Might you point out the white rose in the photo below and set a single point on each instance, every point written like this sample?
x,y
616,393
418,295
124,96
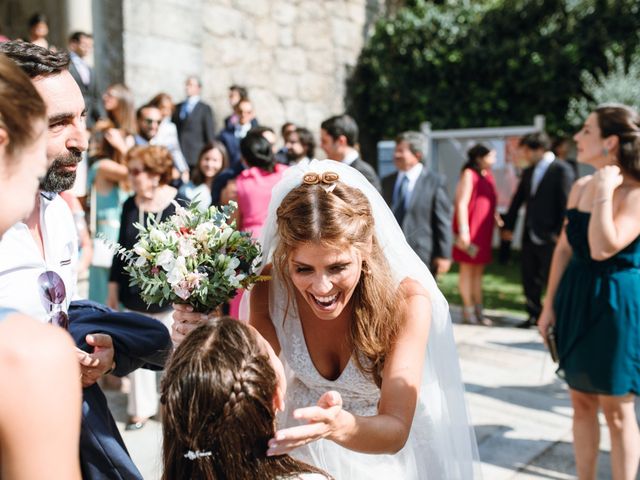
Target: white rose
x,y
140,261
177,274
186,248
203,231
157,235
139,250
226,233
166,260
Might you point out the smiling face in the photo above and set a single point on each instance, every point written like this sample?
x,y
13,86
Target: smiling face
x,y
210,163
67,133
325,277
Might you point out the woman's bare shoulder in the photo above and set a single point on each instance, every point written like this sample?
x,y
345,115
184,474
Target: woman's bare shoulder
x,y
577,190
410,287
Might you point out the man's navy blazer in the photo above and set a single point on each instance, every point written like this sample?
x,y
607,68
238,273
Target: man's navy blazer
x,y
139,342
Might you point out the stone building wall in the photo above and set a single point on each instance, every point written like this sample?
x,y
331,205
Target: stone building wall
x,y
293,55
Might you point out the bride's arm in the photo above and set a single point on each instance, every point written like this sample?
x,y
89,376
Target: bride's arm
x,y
259,317
386,432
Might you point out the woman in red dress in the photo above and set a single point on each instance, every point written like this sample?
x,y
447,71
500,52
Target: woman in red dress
x,y
473,223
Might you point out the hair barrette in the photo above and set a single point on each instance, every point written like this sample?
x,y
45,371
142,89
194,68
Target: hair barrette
x,y
191,455
327,179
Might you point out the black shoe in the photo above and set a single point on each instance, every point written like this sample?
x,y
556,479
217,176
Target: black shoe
x,y
528,323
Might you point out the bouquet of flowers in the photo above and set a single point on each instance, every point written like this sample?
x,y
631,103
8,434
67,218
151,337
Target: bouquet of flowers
x,y
194,257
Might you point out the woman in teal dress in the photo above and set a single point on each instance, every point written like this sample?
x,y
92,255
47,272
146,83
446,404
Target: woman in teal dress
x,y
593,295
111,140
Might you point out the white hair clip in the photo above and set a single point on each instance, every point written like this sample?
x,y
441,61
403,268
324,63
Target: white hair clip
x,y
191,455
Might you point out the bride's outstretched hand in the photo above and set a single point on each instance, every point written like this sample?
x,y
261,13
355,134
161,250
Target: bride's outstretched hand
x,y
323,420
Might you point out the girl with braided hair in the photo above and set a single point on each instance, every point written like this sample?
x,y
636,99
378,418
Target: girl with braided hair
x,y
220,393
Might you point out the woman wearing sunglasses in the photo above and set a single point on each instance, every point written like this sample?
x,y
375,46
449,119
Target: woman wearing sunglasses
x,y
39,372
150,171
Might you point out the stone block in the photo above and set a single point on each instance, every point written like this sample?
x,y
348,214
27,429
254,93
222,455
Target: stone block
x,y
291,60
310,10
285,35
283,12
312,87
178,22
268,107
294,111
345,33
135,16
266,32
322,61
221,21
357,12
315,35
256,8
284,84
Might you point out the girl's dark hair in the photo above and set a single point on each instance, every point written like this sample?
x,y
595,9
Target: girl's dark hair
x,y
257,152
474,155
623,122
217,395
196,176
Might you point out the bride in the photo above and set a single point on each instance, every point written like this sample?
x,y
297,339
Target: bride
x,y
363,331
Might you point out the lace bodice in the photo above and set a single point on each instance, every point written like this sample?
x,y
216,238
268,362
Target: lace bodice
x,y
359,394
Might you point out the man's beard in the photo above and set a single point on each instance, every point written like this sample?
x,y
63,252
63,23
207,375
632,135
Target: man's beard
x,y
58,178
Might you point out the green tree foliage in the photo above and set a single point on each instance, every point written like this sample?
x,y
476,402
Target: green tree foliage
x,y
620,85
484,63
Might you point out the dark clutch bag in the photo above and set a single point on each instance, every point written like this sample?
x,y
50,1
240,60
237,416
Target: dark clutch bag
x,y
551,343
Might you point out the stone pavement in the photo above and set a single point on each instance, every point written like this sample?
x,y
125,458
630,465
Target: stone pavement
x,y
520,409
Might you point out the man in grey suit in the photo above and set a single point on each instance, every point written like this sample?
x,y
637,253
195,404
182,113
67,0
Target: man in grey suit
x,y
80,46
338,138
419,200
195,122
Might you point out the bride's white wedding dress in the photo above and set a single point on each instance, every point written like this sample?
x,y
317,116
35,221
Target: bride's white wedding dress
x,y
441,444
359,394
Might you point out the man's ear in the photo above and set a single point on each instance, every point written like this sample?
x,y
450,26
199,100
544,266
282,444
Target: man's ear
x,y
342,140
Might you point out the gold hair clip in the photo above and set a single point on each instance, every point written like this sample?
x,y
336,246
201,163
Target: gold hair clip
x,y
311,178
327,179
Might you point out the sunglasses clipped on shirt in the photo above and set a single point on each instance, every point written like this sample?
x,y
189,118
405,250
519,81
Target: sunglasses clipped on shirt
x,y
54,294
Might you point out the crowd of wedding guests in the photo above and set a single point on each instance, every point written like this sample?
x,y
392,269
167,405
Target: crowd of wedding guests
x,y
142,162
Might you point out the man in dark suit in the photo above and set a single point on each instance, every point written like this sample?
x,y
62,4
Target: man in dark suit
x,y
231,135
80,46
544,189
338,139
194,121
419,200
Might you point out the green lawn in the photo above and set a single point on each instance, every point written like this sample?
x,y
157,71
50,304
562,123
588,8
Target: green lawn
x,y
501,285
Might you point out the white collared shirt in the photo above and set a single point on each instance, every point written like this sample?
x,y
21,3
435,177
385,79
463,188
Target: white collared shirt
x,y
351,156
21,262
81,66
540,169
412,175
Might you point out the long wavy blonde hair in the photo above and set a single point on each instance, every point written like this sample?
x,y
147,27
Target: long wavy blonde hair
x,y
342,218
